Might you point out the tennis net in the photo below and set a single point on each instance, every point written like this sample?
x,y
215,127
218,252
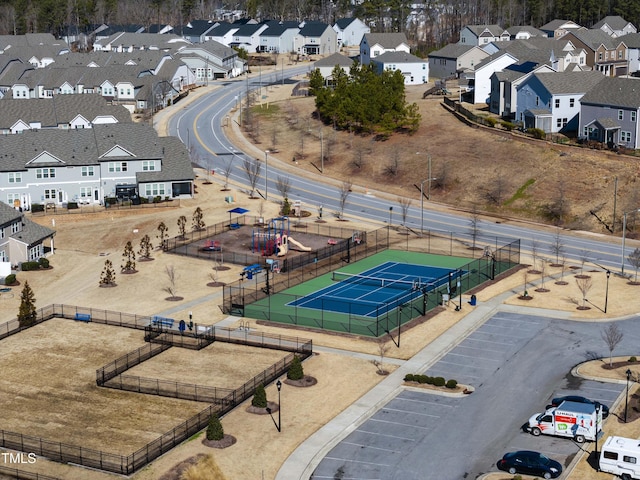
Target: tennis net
x,y
375,281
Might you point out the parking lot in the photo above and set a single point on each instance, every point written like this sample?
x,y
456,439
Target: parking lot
x,y
516,363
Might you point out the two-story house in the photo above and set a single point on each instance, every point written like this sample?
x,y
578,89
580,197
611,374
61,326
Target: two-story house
x,y
22,240
604,53
196,30
609,112
454,58
558,28
632,42
375,44
615,26
248,37
212,60
350,31
278,38
414,69
551,101
315,38
480,35
327,64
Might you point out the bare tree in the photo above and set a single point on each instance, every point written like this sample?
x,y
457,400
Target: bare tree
x,y
442,177
535,247
494,194
557,247
345,191
228,168
612,336
283,185
383,348
563,266
252,168
361,151
584,258
558,208
393,167
182,226
584,285
404,203
172,277
474,226
634,260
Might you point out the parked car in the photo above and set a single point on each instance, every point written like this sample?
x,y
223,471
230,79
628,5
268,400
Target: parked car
x,y
529,463
576,398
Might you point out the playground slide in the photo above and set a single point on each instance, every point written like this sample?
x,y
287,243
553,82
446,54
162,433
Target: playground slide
x,y
299,246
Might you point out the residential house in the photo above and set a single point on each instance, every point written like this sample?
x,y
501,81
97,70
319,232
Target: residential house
x,y
558,28
503,98
524,32
454,58
196,30
103,31
59,111
327,64
375,44
279,37
22,240
349,31
609,112
222,33
632,42
414,69
315,38
604,53
130,42
480,35
87,165
212,60
551,101
481,76
248,37
615,26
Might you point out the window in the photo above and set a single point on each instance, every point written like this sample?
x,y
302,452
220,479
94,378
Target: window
x,y
572,102
87,171
625,137
600,56
153,189
537,100
50,194
557,103
15,177
610,455
85,192
15,227
148,165
620,55
626,458
561,122
633,116
35,252
1,232
620,115
3,256
424,66
45,173
11,199
117,167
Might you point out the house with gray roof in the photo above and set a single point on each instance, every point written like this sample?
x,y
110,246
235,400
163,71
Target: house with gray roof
x,y
129,42
212,60
248,37
415,70
609,113
604,53
615,26
22,240
196,30
551,101
375,44
480,35
503,98
349,31
326,65
524,32
88,165
454,58
632,42
557,28
315,38
59,111
222,33
278,37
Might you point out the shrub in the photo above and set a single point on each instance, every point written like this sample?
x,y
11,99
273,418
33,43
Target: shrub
x,y
491,121
44,262
409,377
295,371
451,383
537,133
214,429
286,207
422,378
430,381
110,200
37,207
260,397
157,199
439,381
72,205
507,125
26,266
144,200
10,279
631,359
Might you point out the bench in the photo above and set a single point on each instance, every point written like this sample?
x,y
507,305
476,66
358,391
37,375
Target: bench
x,y
158,321
83,317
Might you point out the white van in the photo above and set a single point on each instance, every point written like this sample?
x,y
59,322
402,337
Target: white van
x,y
621,456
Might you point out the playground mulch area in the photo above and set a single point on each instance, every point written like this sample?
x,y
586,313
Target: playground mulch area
x,y
48,389
221,365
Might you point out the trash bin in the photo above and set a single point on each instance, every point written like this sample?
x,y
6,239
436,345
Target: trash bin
x,y
472,302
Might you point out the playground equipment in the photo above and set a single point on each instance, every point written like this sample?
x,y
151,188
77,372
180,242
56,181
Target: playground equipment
x,y
298,245
211,246
272,240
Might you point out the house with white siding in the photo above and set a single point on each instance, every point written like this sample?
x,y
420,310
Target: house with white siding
x,y
350,31
375,44
480,35
414,69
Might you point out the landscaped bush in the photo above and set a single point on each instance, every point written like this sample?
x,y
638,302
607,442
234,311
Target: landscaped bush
x,y
260,397
10,279
537,133
72,205
631,359
26,266
43,262
110,200
286,207
430,381
439,381
37,207
214,429
507,125
295,371
409,377
491,121
451,383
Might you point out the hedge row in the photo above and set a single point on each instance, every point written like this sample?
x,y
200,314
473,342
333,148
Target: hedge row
x,y
436,381
42,263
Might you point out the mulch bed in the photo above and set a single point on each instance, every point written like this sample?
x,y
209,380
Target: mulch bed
x,y
542,290
226,441
582,275
174,299
146,259
263,411
525,297
176,472
108,285
128,272
583,308
562,282
216,284
306,381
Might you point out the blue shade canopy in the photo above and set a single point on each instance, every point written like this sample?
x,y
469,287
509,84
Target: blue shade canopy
x,y
238,210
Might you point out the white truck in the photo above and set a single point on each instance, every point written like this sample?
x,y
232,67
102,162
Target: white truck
x,y
621,456
579,421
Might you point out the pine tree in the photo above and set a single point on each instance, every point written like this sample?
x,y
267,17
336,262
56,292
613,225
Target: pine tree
x,y
108,277
130,256
295,371
260,397
27,314
215,430
145,247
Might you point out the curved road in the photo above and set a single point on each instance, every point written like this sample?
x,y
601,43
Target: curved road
x,y
200,126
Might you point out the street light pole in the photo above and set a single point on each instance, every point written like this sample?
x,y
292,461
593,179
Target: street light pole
x,y
389,226
321,150
624,235
269,411
615,201
626,397
422,207
266,173
606,294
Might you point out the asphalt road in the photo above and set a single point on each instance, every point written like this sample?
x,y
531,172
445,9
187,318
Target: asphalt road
x,y
516,363
200,126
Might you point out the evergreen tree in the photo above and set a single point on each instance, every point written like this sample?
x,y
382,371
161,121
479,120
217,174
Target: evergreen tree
x,y
130,256
162,233
295,371
27,314
145,247
182,226
215,430
260,397
197,223
108,276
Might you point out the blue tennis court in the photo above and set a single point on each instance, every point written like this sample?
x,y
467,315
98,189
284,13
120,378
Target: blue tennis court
x,y
385,286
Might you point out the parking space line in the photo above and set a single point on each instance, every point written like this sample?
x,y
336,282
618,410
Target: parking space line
x,y
472,339
398,423
476,357
410,412
423,402
362,445
386,435
350,460
464,365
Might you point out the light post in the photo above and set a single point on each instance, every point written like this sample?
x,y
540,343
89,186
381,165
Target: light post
x,y
606,293
389,225
266,173
321,150
624,234
279,424
615,201
626,397
428,179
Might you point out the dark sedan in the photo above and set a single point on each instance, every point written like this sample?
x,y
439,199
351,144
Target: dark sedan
x,y
530,463
576,398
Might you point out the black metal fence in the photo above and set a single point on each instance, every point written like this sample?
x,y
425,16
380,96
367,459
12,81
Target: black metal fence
x,y
222,400
14,473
